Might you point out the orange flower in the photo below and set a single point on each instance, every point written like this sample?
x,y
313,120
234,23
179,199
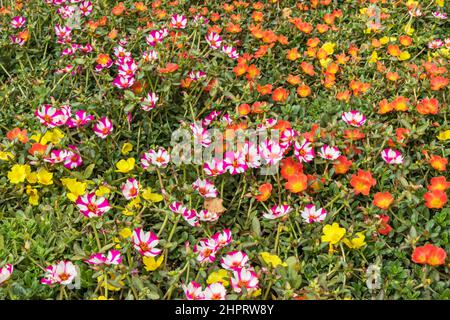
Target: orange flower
x,y
307,68
303,91
394,50
16,133
252,72
313,42
294,80
259,107
240,69
383,200
384,228
265,191
280,94
353,134
243,109
290,167
118,9
344,95
263,90
400,104
401,133
103,59
297,183
438,163
429,254
438,183
438,83
293,54
362,182
405,41
392,76
428,106
435,199
37,148
342,165
170,67
384,107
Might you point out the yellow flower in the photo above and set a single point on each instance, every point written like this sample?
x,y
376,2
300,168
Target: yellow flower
x,y
409,29
149,196
272,259
44,177
18,173
356,242
444,135
384,40
256,293
54,136
404,55
102,298
102,191
127,212
6,156
32,177
112,277
218,276
126,148
332,233
374,57
325,62
75,187
151,264
329,47
33,196
125,233
440,3
125,166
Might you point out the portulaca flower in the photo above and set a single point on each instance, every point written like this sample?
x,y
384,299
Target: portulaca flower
x,y
311,214
391,156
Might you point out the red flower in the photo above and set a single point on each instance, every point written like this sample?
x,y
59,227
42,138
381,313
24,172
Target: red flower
x,y
435,199
428,106
290,167
384,228
342,165
438,183
21,135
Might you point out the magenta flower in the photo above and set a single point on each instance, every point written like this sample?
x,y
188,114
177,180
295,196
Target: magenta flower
x,y
310,214
51,116
103,127
178,21
277,212
391,156
214,40
18,22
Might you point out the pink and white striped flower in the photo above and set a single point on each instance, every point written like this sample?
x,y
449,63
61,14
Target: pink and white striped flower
x,y
329,152
252,155
207,216
57,156
112,258
150,56
63,272
304,151
215,291
63,33
145,243
5,273
193,291
287,137
214,167
73,159
121,54
310,214
149,102
189,215
354,118
214,40
66,12
154,37
127,68
130,188
81,118
222,238
196,75
439,15
206,250
230,51
277,211
392,156
17,40
123,82
244,278
92,206
201,135
234,260
235,162
86,8
103,127
436,44
271,152
51,116
213,115
18,22
159,158
205,188
178,21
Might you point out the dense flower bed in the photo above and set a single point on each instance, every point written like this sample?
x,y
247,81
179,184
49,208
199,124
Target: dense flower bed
x,y
224,149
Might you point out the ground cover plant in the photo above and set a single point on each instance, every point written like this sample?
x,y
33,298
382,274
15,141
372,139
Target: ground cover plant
x,y
328,122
